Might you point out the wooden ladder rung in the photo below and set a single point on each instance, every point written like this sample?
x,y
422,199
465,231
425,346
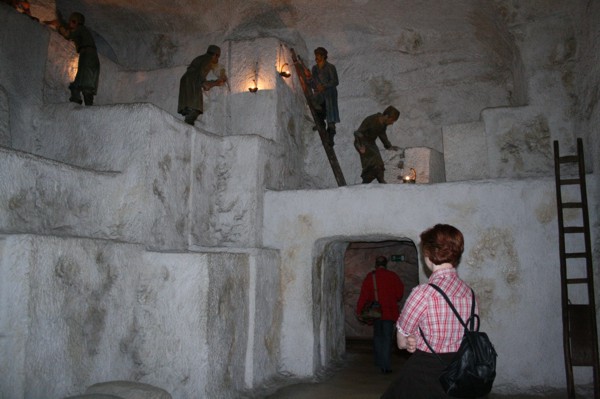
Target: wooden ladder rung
x,y
580,336
569,159
574,255
566,182
574,230
582,280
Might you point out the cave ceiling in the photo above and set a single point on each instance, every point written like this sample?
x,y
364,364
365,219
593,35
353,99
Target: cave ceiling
x,y
159,33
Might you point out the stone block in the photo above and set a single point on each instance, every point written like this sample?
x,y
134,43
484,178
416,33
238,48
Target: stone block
x,y
4,119
227,198
465,151
136,319
427,163
519,142
128,390
252,65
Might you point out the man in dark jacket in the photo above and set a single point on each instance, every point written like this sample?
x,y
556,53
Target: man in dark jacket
x,y
88,66
372,128
386,286
193,82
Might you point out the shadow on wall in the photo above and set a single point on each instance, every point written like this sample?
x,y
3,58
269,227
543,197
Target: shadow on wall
x,y
359,259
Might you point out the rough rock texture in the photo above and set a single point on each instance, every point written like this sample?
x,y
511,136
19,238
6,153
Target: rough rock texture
x,y
128,390
4,120
485,54
498,219
359,260
194,324
247,284
465,152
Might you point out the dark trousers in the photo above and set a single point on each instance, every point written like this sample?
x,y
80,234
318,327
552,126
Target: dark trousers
x,y
383,331
419,377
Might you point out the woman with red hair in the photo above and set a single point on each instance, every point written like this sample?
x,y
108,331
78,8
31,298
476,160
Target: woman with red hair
x,y
426,315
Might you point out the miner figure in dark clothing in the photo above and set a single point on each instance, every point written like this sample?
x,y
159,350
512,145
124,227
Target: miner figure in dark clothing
x,y
365,137
194,81
88,67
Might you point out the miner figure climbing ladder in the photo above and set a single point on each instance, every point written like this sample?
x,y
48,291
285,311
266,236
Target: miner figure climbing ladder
x,y
335,166
580,337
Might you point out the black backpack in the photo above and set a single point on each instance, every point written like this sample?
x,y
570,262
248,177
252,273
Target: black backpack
x,y
472,371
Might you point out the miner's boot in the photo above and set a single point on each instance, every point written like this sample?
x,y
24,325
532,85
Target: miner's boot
x,y
191,116
75,94
379,176
88,98
331,132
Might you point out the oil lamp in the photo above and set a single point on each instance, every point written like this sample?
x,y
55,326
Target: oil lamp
x,y
410,178
284,72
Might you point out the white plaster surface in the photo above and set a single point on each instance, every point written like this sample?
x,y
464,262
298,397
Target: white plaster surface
x,y
107,311
4,119
465,152
511,239
25,92
85,192
428,165
128,390
519,142
130,158
54,198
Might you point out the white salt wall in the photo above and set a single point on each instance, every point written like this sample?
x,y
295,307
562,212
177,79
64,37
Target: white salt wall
x,y
119,142
142,177
588,89
438,73
22,62
83,311
510,259
86,192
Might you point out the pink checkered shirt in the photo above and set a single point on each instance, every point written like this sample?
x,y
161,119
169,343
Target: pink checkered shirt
x,y
426,308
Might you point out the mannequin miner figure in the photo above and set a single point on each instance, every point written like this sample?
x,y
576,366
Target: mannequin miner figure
x,y
194,81
88,66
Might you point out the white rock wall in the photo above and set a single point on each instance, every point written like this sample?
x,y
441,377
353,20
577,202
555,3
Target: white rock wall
x,y
588,90
147,161
4,119
150,163
275,112
141,193
465,151
23,51
519,142
228,176
84,311
511,241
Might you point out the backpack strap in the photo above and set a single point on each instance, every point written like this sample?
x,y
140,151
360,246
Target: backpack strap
x,y
429,346
375,286
471,319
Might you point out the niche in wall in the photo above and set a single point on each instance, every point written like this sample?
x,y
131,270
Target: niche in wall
x,y
359,259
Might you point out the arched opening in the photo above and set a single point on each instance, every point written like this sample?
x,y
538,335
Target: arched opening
x,y
359,260
339,269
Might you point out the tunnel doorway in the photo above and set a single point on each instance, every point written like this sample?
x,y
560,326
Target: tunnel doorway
x,y
359,260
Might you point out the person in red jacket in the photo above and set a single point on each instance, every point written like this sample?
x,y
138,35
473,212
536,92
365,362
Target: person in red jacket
x,y
389,292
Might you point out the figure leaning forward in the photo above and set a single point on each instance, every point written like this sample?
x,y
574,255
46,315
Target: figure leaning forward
x,y
88,66
371,129
194,81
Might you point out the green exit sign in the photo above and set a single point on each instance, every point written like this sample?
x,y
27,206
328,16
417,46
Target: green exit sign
x,y
397,258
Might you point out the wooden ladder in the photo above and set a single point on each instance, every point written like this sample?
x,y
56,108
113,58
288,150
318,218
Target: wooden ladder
x,y
580,337
335,166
